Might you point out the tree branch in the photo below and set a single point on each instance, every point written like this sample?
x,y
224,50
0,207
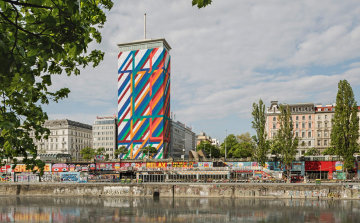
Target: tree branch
x,y
24,30
27,4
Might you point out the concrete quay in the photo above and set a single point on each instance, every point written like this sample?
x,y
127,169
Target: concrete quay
x,y
305,191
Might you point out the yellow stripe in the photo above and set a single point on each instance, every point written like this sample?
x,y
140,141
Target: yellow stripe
x,y
142,98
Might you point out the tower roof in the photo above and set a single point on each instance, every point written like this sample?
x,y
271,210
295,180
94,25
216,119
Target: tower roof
x,y
144,44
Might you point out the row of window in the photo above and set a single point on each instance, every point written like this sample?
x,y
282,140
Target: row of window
x,y
303,125
303,117
103,127
325,142
103,133
303,134
104,144
104,138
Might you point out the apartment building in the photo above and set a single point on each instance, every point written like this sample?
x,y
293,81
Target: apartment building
x,y
66,136
323,125
303,117
104,134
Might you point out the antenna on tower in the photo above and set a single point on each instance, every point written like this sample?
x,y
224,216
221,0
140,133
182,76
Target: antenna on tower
x,y
145,26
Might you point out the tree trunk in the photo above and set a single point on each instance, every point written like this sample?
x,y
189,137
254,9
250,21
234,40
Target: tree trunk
x,y
288,175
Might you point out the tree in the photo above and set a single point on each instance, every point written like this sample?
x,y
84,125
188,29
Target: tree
x,y
345,129
201,3
231,142
262,144
243,150
100,151
120,150
209,149
286,142
149,150
87,153
312,152
39,39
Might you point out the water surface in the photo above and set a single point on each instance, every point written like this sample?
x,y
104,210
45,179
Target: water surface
x,y
93,209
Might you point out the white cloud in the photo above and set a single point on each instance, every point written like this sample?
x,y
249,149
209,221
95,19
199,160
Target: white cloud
x,y
230,54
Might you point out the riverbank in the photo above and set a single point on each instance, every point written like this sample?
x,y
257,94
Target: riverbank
x,y
331,191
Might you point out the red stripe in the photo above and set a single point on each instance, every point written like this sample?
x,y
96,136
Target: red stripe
x,y
123,117
141,91
119,55
120,76
124,94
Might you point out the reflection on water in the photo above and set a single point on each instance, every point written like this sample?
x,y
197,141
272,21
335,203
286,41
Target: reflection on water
x,y
70,209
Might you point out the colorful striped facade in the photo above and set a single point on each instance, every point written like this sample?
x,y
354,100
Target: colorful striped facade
x,y
144,97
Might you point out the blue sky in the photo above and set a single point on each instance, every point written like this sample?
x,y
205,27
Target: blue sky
x,y
225,57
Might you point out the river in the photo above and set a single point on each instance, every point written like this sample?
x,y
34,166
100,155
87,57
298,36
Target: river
x,y
129,209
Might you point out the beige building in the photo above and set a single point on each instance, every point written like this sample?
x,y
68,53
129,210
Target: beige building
x,y
105,134
303,117
66,136
203,137
323,125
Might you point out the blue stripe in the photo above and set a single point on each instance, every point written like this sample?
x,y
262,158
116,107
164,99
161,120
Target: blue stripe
x,y
126,104
122,87
142,105
121,134
127,58
158,106
137,135
142,82
157,130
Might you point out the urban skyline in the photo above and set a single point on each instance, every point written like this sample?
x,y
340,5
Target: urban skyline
x,y
282,65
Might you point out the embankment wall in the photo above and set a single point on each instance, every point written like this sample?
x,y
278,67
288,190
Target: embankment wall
x,y
184,190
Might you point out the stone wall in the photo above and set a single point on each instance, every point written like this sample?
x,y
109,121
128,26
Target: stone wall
x,y
184,190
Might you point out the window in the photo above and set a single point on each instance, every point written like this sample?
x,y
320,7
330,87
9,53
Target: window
x,y
111,138
297,117
291,118
319,117
332,116
303,125
319,134
99,138
273,134
107,143
326,134
303,118
319,125
309,143
325,124
111,144
51,140
103,127
63,132
107,138
274,125
309,134
325,116
319,142
111,127
296,134
103,144
297,125
309,124
94,144
309,117
103,138
274,119
325,142
303,134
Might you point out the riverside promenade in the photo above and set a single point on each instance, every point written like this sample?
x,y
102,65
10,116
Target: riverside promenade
x,y
238,190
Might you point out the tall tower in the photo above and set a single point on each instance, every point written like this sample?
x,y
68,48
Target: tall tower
x,y
144,97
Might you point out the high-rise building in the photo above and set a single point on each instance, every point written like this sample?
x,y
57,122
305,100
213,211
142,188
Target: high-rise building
x,y
66,136
182,140
144,97
104,134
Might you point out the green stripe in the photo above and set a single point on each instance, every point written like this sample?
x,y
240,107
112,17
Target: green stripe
x,y
160,155
160,131
144,130
126,120
125,133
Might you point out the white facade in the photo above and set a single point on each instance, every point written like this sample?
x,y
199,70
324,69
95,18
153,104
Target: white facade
x,y
66,136
215,142
104,135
